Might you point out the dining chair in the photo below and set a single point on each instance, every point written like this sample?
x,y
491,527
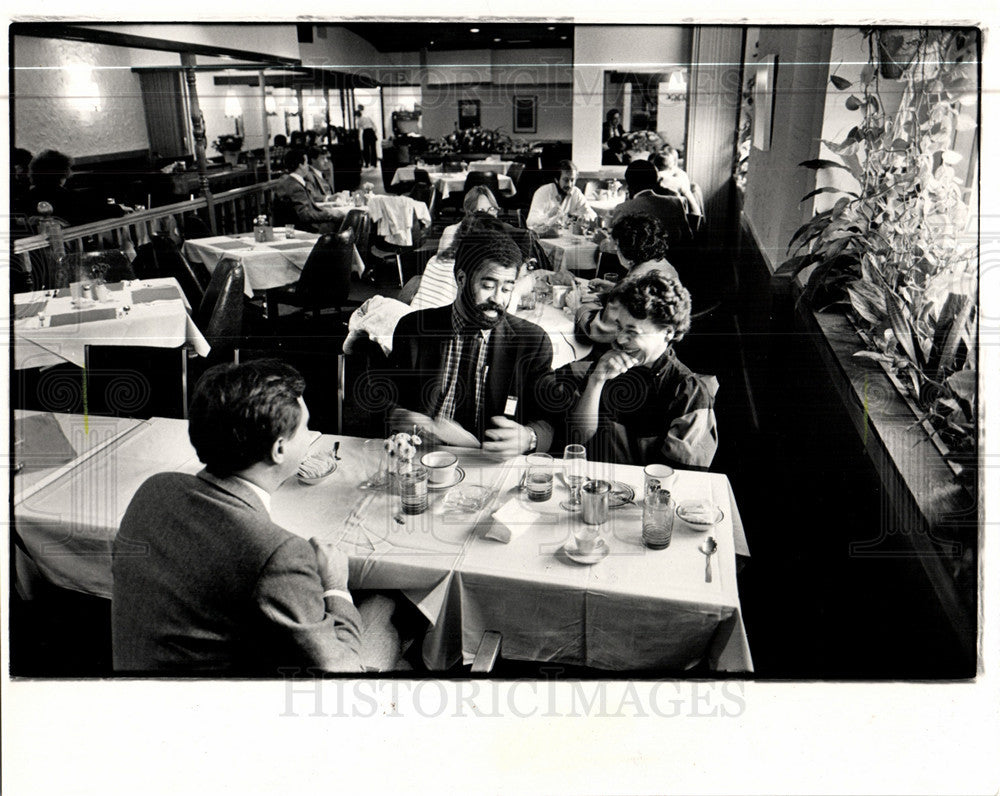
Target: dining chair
x,y
220,314
359,222
391,207
325,281
160,257
111,265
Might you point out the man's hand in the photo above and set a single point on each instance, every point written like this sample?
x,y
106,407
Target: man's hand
x,y
332,564
442,432
600,286
507,439
613,364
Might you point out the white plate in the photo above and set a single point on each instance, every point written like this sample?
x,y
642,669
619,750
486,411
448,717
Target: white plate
x,y
459,477
599,553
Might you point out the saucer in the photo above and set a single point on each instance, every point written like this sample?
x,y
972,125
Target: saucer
x,y
459,477
621,495
599,553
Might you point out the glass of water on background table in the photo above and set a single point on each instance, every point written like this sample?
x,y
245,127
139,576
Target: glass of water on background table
x,y
575,460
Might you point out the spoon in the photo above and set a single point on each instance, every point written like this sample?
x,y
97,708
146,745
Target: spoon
x,y
708,547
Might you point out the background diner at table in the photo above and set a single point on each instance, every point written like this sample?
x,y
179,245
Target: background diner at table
x,y
578,273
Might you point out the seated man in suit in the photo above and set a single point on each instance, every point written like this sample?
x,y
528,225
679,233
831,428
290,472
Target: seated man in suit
x,y
294,204
679,219
637,403
205,582
319,165
469,373
558,202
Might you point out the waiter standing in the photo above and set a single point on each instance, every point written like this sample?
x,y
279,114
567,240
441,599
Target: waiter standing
x,y
368,136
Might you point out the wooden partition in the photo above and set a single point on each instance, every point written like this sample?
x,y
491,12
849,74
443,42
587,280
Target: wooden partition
x,y
226,213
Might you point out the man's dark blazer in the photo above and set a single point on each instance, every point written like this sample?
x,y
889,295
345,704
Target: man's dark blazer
x,y
205,582
519,360
295,205
672,211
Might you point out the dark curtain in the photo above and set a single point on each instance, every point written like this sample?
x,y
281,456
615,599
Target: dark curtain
x,y
163,99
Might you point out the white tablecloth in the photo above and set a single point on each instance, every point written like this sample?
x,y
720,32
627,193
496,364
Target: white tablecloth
x,y
162,323
454,181
636,609
604,207
571,252
266,265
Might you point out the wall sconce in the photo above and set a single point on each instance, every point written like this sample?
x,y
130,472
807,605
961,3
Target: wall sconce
x,y
233,109
83,94
270,105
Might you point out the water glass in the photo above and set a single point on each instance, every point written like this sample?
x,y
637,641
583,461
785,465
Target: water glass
x,y
289,230
538,478
375,461
413,489
575,459
657,519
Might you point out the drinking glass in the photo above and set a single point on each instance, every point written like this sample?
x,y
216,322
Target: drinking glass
x,y
413,489
376,465
575,457
538,478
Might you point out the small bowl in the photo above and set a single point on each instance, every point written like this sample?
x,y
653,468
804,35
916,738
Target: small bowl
x,y
700,514
311,480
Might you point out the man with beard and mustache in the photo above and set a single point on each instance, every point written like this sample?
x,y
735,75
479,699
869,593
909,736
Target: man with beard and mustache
x,y
558,201
469,373
637,403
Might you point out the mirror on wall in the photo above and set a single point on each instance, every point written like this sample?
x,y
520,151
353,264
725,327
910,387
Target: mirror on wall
x,y
654,101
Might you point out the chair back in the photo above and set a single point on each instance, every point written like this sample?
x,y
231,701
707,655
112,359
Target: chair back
x,y
389,164
111,265
487,178
195,227
326,276
360,224
514,171
283,211
161,258
220,314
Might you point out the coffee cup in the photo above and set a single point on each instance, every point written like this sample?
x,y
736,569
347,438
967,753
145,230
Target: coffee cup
x,y
586,538
440,466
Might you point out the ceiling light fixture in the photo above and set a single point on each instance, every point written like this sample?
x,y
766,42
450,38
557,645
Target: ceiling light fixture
x,y
473,30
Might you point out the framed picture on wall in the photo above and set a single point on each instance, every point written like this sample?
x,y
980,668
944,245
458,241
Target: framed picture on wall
x,y
525,114
468,114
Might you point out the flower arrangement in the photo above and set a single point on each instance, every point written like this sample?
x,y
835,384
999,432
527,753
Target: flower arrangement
x,y
228,143
643,141
473,139
401,448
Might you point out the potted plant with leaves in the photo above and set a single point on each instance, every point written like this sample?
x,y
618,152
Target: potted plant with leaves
x,y
893,249
229,146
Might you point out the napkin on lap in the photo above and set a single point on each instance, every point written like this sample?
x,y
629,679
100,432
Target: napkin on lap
x,y
512,519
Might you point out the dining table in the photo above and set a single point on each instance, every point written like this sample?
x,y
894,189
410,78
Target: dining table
x,y
266,264
571,252
637,609
60,325
604,206
448,181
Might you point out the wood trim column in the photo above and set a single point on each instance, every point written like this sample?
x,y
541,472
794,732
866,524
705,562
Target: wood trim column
x,y
713,117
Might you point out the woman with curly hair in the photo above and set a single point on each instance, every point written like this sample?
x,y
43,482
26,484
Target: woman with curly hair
x,y
637,403
641,245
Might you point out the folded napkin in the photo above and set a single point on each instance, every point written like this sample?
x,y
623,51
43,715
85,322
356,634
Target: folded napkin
x,y
145,295
45,445
512,519
22,311
83,316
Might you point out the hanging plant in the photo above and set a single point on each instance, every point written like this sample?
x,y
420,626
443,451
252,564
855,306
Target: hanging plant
x,y
891,252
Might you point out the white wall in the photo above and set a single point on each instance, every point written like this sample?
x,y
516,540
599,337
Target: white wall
x,y
279,40
598,48
48,104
